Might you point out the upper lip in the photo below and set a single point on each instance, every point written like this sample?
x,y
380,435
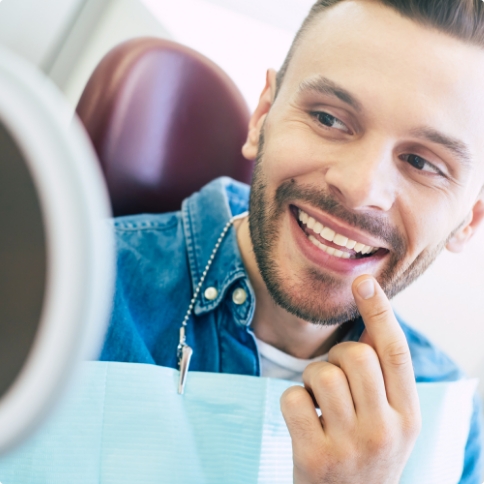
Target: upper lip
x,y
340,227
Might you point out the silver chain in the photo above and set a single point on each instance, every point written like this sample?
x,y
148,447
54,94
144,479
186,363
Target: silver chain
x,y
182,342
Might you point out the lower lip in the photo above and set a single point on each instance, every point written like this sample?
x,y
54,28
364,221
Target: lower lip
x,y
335,264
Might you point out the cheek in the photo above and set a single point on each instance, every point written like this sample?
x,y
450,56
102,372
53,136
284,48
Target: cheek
x,y
295,153
426,224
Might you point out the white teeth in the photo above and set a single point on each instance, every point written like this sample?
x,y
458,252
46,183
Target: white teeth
x,y
340,240
358,247
303,217
331,236
328,234
317,228
314,240
350,244
330,250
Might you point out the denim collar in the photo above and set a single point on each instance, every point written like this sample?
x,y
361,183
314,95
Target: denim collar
x,y
205,215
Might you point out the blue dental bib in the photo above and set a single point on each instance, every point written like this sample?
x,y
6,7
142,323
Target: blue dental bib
x,y
125,423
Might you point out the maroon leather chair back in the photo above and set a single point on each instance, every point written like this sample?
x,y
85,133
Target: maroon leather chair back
x,y
164,121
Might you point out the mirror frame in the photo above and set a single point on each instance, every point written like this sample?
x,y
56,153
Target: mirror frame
x,y
80,244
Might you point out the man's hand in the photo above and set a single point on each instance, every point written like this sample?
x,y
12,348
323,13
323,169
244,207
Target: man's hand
x,y
370,413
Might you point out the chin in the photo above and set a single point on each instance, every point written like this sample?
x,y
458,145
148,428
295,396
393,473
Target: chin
x,y
315,298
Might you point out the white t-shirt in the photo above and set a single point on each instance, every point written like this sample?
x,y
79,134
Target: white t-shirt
x,y
277,364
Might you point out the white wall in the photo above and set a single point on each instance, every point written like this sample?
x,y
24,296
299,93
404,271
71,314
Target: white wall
x,y
245,37
447,304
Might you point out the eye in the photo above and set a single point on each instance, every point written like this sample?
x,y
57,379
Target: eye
x,y
330,121
421,164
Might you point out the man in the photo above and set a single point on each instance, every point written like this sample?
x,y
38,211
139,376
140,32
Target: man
x,y
370,160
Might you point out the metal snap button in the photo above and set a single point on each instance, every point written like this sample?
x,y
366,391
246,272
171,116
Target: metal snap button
x,y
211,293
239,296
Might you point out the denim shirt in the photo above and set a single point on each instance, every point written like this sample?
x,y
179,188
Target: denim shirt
x,y
160,260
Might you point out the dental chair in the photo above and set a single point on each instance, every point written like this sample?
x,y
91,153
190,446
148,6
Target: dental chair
x,y
164,121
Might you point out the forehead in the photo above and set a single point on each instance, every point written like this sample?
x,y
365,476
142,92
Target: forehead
x,y
398,69
389,43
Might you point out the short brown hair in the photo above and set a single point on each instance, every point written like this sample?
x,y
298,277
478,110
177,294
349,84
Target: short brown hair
x,y
462,19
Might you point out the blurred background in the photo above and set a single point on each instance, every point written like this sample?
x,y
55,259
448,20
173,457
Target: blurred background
x,y
67,38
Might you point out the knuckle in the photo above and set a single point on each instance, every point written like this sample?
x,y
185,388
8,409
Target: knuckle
x,y
339,349
311,370
397,355
292,399
381,441
378,313
361,354
328,377
313,367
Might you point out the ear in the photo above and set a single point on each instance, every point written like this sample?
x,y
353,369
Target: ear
x,y
459,240
251,146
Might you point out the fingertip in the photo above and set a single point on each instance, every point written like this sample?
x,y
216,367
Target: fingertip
x,y
365,288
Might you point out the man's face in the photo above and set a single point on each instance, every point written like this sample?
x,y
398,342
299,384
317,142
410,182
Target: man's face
x,y
370,159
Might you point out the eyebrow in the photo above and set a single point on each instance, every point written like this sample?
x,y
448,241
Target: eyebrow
x,y
457,147
327,87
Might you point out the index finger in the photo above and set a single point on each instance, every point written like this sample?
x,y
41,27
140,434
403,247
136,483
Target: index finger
x,y
388,339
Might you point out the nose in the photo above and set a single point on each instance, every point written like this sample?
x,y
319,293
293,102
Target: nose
x,y
364,176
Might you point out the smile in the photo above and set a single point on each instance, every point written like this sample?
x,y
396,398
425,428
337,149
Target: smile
x,y
331,242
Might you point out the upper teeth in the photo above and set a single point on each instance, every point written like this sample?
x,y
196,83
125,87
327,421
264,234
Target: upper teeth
x,y
330,235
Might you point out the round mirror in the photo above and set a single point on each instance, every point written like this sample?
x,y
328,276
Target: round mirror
x,y
23,261
56,248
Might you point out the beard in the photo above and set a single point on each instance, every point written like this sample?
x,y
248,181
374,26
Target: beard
x,y
309,293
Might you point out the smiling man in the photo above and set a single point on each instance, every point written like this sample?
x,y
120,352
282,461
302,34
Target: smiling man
x,y
369,162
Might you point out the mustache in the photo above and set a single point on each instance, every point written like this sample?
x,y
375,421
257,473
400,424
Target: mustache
x,y
378,226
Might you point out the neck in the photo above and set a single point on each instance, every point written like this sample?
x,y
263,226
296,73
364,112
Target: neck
x,y
273,324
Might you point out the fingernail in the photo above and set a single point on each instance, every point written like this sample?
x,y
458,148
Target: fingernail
x,y
366,289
